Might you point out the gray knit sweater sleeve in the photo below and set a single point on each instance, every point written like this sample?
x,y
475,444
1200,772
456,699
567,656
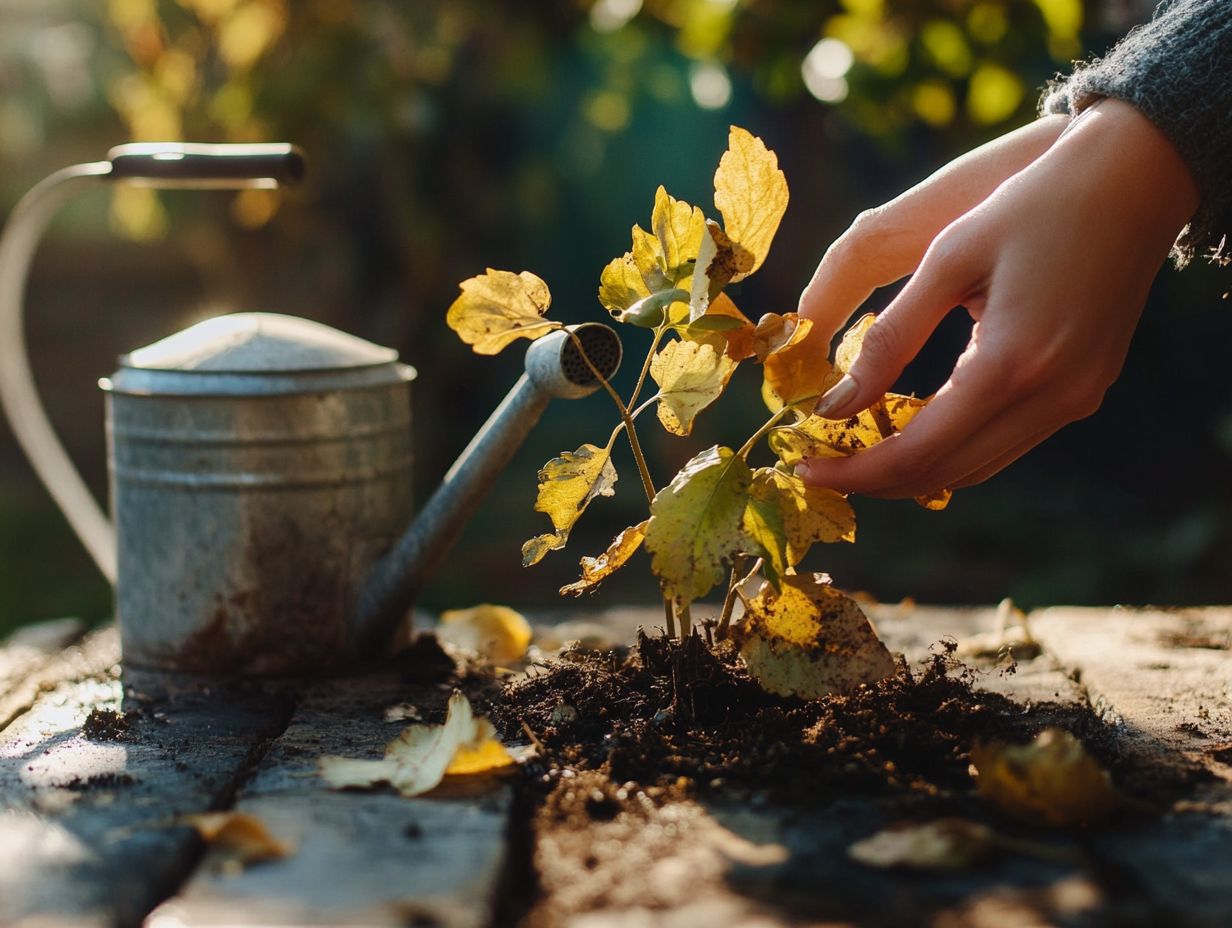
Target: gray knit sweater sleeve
x,y
1177,70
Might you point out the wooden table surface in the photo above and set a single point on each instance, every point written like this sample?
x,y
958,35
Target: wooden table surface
x,y
91,832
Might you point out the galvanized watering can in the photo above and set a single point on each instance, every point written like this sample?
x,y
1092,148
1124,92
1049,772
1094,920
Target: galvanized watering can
x,y
261,464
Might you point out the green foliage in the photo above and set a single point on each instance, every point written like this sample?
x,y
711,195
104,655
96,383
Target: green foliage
x,y
719,514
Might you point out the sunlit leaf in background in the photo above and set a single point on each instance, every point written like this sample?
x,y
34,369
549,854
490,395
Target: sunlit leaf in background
x,y
993,94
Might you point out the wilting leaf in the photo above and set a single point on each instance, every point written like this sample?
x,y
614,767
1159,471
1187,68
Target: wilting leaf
x,y
498,307
942,844
697,524
597,569
419,758
751,193
802,515
775,332
569,482
536,549
240,837
719,261
690,376
498,633
1051,781
621,285
810,640
724,327
816,437
853,339
679,228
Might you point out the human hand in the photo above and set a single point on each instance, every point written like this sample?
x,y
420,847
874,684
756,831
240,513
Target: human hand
x,y
1051,244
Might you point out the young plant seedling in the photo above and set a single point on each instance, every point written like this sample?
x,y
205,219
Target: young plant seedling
x,y
721,521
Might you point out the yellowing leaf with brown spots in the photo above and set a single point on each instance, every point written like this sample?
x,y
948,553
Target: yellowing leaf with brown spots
x,y
1051,781
420,758
597,569
697,524
679,228
719,261
498,307
499,633
786,517
567,484
751,193
690,376
810,640
816,437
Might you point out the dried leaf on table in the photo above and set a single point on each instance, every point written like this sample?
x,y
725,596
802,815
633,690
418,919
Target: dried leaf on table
x,y
238,837
496,632
1050,781
423,755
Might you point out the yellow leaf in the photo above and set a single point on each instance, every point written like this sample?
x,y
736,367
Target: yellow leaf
x,y
775,332
690,376
751,193
942,844
536,549
568,483
794,371
853,340
648,258
239,836
719,262
419,758
498,307
697,524
1051,781
810,640
815,437
679,228
621,285
807,514
597,569
498,633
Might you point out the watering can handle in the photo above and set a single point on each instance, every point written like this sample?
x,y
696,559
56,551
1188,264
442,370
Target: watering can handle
x,y
152,164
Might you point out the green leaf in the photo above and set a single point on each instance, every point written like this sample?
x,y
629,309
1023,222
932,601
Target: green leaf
x,y
810,640
567,484
690,376
786,517
649,312
499,307
751,193
597,569
697,524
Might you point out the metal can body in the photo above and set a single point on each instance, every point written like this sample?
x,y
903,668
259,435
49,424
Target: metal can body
x,y
246,523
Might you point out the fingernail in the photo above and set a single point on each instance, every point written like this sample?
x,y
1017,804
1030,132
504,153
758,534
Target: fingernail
x,y
837,396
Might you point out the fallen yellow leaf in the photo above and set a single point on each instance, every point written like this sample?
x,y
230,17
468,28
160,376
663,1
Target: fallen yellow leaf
x,y
943,844
241,837
498,633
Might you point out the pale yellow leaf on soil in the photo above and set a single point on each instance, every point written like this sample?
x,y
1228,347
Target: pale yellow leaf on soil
x,y
1050,781
697,524
942,844
499,307
420,758
810,640
597,569
499,633
690,376
751,194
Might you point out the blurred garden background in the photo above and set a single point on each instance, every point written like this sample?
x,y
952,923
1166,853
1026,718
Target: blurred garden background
x,y
446,136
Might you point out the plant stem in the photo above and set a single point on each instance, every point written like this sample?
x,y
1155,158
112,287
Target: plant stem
x,y
760,433
734,587
630,428
669,613
641,378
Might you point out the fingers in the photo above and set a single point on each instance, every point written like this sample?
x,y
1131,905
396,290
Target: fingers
x,y
886,244
951,270
973,429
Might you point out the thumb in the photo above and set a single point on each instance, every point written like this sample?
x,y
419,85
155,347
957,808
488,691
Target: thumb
x,y
901,330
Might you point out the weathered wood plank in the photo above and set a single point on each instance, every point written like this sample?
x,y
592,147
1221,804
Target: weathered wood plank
x,y
361,858
89,834
1164,679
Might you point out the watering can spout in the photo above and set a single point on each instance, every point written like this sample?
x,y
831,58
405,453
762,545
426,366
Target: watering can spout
x,y
568,364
